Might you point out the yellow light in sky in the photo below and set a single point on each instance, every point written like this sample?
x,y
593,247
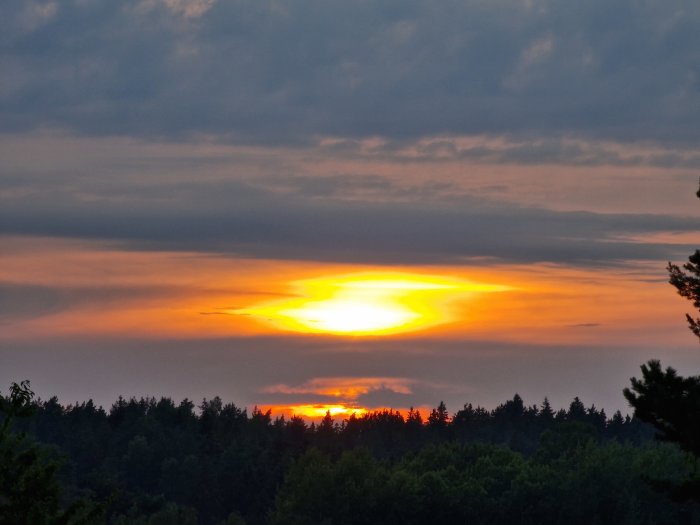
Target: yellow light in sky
x,y
318,411
368,303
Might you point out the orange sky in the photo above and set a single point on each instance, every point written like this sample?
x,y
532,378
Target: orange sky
x,y
104,292
197,295
181,207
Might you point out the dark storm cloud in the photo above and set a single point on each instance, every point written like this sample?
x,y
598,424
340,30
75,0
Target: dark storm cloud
x,y
265,71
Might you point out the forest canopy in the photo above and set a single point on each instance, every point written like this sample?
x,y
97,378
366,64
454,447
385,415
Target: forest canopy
x,y
157,461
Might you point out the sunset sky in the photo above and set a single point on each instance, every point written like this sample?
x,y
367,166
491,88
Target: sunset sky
x,y
350,205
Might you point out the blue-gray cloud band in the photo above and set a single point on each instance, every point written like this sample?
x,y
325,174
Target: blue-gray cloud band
x,y
264,71
237,218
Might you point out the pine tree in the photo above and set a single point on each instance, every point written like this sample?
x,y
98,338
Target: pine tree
x,y
546,411
669,402
687,282
688,285
438,416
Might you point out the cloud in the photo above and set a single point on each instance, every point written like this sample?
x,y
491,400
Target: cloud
x,y
531,151
312,204
190,8
266,72
387,398
365,392
236,217
30,301
27,301
344,387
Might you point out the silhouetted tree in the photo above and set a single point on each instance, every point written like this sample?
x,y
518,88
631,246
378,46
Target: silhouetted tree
x,y
159,462
687,282
439,416
546,412
326,432
669,402
29,488
577,411
414,419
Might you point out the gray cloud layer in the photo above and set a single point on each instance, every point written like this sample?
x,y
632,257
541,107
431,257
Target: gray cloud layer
x,y
268,71
237,217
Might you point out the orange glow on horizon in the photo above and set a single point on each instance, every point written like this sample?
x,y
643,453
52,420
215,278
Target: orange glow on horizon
x,y
379,303
316,412
110,293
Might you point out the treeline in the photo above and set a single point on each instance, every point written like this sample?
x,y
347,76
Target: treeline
x,y
154,461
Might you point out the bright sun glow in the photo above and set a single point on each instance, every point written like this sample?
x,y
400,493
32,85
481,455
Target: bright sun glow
x,y
318,411
368,303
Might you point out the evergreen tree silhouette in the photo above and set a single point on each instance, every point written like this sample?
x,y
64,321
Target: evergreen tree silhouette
x,y
686,280
669,402
438,417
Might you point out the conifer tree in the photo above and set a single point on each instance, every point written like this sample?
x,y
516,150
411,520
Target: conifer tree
x,y
669,402
439,416
546,411
687,281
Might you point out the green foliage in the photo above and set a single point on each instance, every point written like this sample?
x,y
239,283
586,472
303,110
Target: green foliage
x,y
483,484
687,282
157,461
29,488
669,402
17,404
158,512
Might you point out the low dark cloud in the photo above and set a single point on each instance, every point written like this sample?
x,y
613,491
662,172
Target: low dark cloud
x,y
265,71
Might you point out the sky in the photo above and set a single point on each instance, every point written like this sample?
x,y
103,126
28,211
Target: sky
x,y
357,205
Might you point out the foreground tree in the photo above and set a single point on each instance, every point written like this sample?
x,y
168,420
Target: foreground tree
x,y
687,282
669,402
29,489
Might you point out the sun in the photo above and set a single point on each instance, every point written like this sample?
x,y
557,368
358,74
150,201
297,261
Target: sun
x,y
367,303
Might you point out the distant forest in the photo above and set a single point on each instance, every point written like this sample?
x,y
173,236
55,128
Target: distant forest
x,y
148,461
